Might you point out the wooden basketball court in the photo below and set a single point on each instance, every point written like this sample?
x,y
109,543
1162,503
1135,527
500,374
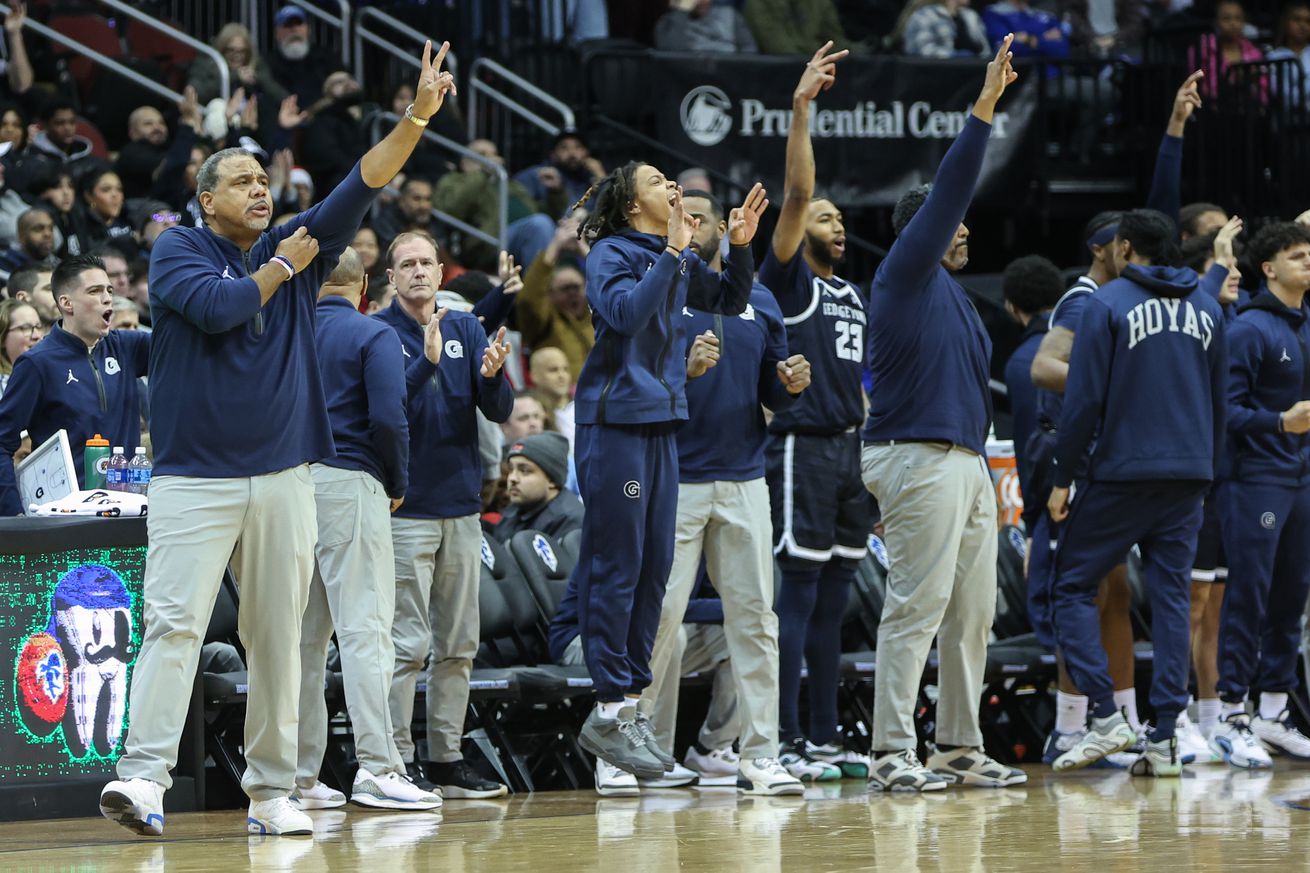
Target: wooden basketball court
x,y
1213,819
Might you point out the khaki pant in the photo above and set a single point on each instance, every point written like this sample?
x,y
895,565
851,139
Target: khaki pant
x,y
939,511
730,523
437,573
353,591
266,526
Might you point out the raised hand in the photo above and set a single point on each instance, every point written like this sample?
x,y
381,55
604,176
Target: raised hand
x,y
234,103
250,114
432,336
279,171
300,248
1186,102
794,374
704,354
16,16
1223,242
744,221
188,110
290,115
509,274
820,72
1000,75
682,227
494,357
433,83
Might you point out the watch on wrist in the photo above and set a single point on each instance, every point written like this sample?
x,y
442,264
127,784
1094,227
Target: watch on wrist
x,y
414,119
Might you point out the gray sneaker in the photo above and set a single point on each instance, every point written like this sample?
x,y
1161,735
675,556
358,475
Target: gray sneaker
x,y
620,742
652,744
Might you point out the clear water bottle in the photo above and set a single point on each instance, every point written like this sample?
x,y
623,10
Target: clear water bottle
x,y
116,472
138,472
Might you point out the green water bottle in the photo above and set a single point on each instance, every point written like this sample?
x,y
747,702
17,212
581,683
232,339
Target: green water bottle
x,y
95,463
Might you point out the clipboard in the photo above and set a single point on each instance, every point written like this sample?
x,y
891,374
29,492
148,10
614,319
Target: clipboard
x,y
48,473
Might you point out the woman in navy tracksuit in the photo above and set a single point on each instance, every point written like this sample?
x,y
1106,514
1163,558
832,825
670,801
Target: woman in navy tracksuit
x,y
629,401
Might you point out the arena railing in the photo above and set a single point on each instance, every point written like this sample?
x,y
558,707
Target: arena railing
x,y
410,53
374,124
224,81
492,110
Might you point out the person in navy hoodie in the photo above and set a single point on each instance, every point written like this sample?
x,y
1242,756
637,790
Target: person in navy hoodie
x,y
628,405
436,532
1265,503
354,586
923,458
82,377
238,415
1145,406
735,367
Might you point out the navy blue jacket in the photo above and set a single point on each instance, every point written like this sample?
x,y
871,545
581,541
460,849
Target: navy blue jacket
x,y
1023,396
636,372
723,439
1268,372
235,388
928,349
59,383
1149,369
445,467
363,370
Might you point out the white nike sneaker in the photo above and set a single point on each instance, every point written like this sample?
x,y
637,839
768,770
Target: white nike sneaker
x,y
678,777
391,790
1105,737
1281,736
1233,740
974,767
767,776
136,804
317,796
715,764
1159,759
852,764
901,771
278,817
799,763
1192,743
613,782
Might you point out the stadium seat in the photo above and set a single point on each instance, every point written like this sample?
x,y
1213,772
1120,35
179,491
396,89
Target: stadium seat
x,y
93,31
173,56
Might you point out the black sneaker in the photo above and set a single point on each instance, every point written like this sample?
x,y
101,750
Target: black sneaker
x,y
458,780
414,771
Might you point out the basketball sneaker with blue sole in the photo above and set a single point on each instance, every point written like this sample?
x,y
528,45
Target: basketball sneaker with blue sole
x,y
136,804
1057,744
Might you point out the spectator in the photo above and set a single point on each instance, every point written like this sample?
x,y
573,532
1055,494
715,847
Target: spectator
x,y
126,315
548,369
703,26
412,210
552,308
18,67
1292,40
369,248
471,195
246,69
947,29
98,218
150,219
1198,219
1037,33
297,64
566,174
34,246
794,27
527,418
13,130
380,295
1226,46
32,285
695,179
20,330
58,140
336,132
116,268
538,469
53,189
429,160
1104,28
142,156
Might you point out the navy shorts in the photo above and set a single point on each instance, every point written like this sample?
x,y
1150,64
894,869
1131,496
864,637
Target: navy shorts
x,y
821,509
1211,564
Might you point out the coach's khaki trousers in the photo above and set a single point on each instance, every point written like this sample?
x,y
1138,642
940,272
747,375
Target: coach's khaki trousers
x,y
266,526
437,573
730,523
939,512
353,591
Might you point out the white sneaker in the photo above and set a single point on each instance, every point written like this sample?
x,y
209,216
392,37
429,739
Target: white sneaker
x,y
136,804
1106,736
1233,740
901,771
767,776
678,777
391,790
974,767
853,765
1281,736
317,796
799,763
1159,759
278,817
1192,743
715,764
613,782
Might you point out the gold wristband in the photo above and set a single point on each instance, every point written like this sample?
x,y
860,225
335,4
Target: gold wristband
x,y
414,119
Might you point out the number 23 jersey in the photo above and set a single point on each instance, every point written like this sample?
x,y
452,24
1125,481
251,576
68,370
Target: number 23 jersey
x,y
826,321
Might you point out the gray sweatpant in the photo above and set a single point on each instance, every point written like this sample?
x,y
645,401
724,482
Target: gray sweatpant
x,y
353,591
939,512
266,526
437,573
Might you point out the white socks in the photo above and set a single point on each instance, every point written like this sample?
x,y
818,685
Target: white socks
x,y
1272,704
1126,700
1207,714
1226,709
610,711
1070,713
